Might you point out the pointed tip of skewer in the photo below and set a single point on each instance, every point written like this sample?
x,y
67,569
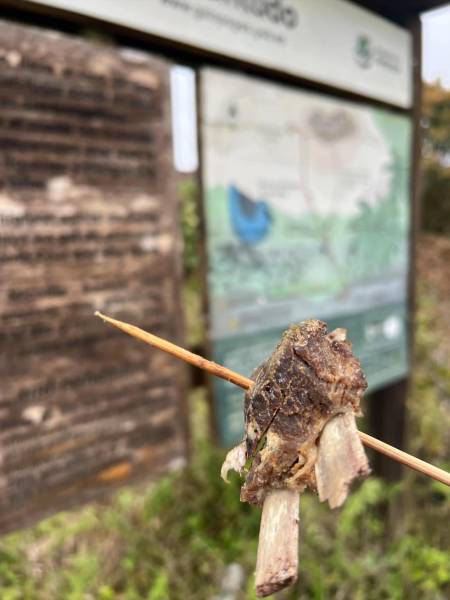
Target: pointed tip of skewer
x,y
120,324
105,318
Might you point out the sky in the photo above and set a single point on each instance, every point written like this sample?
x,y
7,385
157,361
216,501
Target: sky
x,y
436,45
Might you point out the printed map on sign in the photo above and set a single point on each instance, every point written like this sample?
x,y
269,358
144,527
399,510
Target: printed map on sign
x,y
307,215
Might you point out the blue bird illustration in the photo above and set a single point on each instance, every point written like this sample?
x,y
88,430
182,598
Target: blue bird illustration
x,y
250,219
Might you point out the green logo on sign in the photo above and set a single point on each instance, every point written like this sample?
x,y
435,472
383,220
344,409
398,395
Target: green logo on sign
x,y
363,51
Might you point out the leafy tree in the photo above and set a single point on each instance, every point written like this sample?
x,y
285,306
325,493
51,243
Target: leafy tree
x,y
436,158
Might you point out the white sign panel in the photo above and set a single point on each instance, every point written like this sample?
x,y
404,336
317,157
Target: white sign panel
x,y
329,41
184,119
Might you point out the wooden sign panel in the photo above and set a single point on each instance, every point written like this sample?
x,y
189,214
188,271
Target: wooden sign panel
x,y
87,221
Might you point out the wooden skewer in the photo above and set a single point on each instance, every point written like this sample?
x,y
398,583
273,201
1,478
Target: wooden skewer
x,y
244,382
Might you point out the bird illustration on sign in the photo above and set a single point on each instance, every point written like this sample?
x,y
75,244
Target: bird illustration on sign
x,y
250,219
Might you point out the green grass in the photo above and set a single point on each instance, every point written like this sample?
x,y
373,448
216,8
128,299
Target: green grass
x,y
173,539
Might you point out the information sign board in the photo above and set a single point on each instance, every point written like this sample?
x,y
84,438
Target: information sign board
x,y
306,202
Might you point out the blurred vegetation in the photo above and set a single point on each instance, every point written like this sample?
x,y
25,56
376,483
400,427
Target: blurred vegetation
x,y
188,194
173,539
436,158
429,403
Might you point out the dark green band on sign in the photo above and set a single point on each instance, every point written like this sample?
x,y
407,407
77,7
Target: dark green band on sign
x,y
379,341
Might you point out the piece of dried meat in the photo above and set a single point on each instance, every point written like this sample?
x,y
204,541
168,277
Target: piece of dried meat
x,y
311,377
